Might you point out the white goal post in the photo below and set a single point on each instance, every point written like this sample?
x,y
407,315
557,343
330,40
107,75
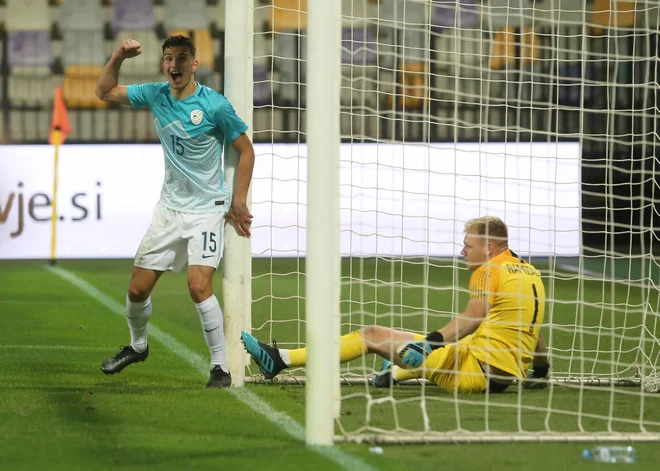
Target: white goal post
x,y
545,114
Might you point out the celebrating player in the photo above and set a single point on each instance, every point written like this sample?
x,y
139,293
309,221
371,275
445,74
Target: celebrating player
x,y
193,122
492,343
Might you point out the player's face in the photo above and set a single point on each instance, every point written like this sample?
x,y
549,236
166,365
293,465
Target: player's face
x,y
475,250
179,66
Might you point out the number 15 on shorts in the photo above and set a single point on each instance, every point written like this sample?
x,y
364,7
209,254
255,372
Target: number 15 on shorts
x,y
205,243
209,244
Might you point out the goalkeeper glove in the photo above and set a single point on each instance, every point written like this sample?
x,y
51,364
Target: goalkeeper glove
x,y
538,378
413,354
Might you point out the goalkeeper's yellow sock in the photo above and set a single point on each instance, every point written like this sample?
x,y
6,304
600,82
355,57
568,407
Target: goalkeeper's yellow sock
x,y
401,374
352,346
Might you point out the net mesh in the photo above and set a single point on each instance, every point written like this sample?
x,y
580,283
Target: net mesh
x,y
541,113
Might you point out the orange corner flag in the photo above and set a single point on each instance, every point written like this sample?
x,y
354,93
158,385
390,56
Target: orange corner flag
x,y
60,118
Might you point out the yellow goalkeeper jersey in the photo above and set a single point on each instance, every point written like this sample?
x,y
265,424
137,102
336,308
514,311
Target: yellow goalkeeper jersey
x,y
507,337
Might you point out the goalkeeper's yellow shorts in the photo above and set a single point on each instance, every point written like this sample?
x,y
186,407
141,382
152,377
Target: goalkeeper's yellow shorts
x,y
455,369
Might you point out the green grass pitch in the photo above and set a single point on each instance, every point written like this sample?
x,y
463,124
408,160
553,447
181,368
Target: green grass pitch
x,y
58,411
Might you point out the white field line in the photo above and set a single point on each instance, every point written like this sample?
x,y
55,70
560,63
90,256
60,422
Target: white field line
x,y
247,397
595,276
52,347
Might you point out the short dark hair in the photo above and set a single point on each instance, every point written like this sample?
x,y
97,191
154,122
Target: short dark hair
x,y
179,40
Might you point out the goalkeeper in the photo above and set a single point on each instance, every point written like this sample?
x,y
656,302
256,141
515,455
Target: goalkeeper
x,y
484,349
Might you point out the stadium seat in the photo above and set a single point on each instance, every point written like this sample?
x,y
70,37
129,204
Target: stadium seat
x,y
360,12
30,80
263,46
566,13
27,15
288,52
29,48
571,84
83,47
81,15
503,51
613,14
262,85
408,37
412,80
288,15
80,85
359,46
136,15
190,15
147,63
530,48
359,59
288,20
31,86
444,14
504,14
460,47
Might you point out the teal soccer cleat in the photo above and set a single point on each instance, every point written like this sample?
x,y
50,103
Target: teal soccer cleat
x,y
384,378
266,357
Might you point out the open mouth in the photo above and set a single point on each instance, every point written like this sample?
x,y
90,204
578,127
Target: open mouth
x,y
177,77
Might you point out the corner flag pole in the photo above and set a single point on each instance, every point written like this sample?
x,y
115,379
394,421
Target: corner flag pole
x,y
60,128
53,219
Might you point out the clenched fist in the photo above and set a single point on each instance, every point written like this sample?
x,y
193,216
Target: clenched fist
x,y
129,48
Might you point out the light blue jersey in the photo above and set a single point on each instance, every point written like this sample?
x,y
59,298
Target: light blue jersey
x,y
193,132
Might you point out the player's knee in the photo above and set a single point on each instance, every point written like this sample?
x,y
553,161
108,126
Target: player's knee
x,y
199,289
372,333
137,292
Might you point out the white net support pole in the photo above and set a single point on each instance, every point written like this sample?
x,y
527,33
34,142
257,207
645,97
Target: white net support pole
x,y
237,260
323,264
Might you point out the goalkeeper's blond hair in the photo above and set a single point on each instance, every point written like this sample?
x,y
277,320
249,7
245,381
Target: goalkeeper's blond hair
x,y
491,228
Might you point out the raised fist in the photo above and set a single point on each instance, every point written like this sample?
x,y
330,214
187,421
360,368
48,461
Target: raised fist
x,y
129,48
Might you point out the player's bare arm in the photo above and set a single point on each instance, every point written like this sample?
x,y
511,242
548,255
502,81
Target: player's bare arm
x,y
467,322
239,213
108,88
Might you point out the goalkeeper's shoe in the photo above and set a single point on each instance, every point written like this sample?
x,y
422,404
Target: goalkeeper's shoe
x,y
384,378
537,380
122,359
219,378
267,358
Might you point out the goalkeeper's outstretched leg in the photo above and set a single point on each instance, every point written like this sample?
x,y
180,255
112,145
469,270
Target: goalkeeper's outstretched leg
x,y
268,359
373,339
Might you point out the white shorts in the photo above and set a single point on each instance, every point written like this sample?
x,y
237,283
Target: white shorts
x,y
175,237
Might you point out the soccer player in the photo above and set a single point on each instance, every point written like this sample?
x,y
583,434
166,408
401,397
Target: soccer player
x,y
484,349
193,122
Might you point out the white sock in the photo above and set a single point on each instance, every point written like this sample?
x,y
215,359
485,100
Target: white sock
x,y
285,356
210,315
137,316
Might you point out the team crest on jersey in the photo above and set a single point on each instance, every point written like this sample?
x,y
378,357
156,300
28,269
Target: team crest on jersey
x,y
196,116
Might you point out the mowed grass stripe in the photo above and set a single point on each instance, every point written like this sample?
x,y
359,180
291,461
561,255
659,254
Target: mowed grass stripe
x,y
52,347
59,412
282,420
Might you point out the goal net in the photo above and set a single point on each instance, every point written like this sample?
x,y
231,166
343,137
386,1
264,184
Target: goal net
x,y
544,114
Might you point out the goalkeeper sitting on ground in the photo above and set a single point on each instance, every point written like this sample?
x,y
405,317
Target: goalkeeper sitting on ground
x,y
484,349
